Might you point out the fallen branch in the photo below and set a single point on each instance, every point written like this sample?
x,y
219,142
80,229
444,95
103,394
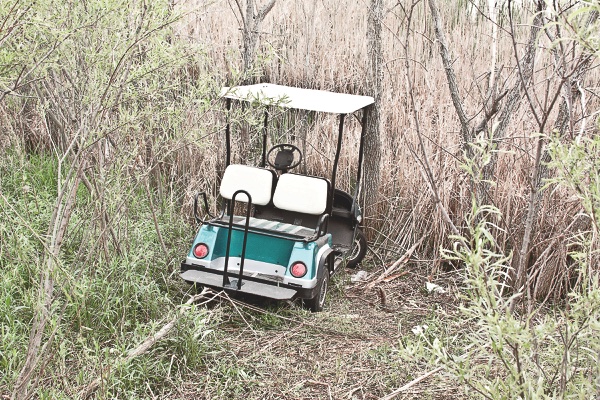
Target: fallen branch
x,y
401,261
410,384
144,346
395,276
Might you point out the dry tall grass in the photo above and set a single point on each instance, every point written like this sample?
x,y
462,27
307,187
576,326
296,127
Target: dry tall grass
x,y
322,45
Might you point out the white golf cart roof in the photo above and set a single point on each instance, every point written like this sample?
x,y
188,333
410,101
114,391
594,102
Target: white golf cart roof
x,y
293,97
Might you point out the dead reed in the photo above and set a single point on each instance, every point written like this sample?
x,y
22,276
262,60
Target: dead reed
x,y
322,45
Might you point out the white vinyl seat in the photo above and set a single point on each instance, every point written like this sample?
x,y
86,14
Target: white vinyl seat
x,y
300,193
258,182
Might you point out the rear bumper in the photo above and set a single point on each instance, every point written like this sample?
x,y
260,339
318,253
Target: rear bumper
x,y
251,285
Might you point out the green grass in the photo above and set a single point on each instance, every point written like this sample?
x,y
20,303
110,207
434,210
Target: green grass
x,y
106,302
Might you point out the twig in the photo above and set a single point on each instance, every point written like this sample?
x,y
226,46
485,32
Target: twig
x,y
402,260
410,384
235,307
144,346
382,296
395,276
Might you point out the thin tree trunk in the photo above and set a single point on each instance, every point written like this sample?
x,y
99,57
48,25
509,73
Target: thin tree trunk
x,y
491,105
56,233
250,32
465,130
540,173
372,143
515,94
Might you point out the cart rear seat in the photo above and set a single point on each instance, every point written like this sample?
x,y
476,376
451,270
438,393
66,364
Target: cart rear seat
x,y
258,182
292,200
265,224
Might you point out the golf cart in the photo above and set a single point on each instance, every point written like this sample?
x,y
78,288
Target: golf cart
x,y
294,230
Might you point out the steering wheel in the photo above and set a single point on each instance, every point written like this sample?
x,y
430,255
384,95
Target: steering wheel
x,y
284,159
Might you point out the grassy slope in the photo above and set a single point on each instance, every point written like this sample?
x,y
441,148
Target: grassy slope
x,y
102,307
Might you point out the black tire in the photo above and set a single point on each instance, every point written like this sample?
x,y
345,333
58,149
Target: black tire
x,y
316,303
359,250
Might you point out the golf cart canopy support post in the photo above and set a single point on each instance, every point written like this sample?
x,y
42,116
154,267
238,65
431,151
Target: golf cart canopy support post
x,y
337,154
228,136
363,132
264,143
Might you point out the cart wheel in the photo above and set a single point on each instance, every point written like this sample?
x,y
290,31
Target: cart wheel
x,y
316,303
359,251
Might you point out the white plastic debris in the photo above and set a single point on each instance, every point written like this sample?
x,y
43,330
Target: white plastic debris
x,y
360,276
432,287
419,329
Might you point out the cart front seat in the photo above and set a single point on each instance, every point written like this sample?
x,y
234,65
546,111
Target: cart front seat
x,y
302,194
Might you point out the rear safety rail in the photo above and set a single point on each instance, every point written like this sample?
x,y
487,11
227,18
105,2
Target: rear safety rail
x,y
320,230
226,281
206,209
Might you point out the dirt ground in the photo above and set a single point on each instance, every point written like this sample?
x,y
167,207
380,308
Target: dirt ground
x,y
351,350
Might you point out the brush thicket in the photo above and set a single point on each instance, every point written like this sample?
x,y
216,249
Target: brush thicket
x,y
323,45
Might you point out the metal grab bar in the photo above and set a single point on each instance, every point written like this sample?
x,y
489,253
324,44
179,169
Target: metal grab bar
x,y
206,211
320,230
243,256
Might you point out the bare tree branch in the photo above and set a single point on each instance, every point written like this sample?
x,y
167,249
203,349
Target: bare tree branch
x,y
146,344
428,174
540,171
450,75
58,227
265,10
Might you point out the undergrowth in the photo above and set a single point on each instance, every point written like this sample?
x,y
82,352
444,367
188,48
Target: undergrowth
x,y
104,306
511,346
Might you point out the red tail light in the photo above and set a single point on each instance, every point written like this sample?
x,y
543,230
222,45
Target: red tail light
x,y
298,269
201,250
